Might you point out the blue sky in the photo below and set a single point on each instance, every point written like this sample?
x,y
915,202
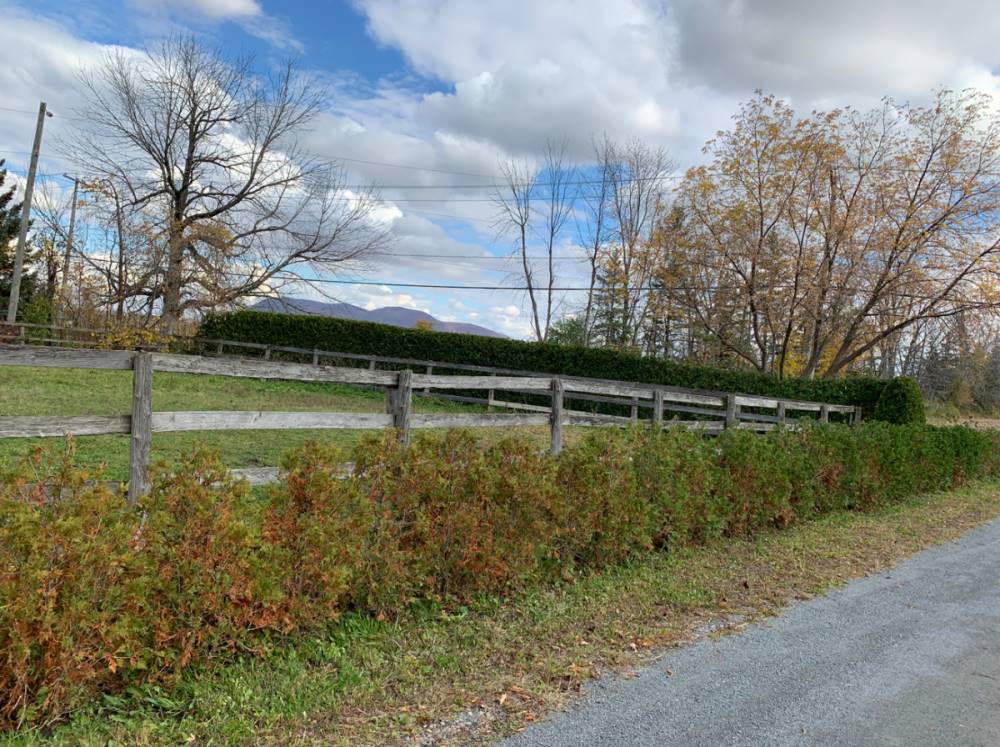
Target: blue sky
x,y
442,89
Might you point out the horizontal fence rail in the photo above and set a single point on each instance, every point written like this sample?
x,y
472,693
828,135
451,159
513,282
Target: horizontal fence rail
x,y
682,401
716,411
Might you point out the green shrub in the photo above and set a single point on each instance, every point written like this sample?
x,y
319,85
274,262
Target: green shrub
x,y
367,338
206,584
900,402
606,519
675,472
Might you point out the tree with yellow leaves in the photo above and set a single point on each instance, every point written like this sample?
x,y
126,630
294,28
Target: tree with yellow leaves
x,y
808,243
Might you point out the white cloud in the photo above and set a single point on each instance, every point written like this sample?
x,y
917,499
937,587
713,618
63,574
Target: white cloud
x,y
162,16
216,9
837,52
518,72
510,311
512,74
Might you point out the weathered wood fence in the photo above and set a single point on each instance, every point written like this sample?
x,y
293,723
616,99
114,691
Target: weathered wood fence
x,y
52,335
715,411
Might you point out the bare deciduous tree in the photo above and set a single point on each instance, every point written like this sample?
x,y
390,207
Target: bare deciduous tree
x,y
636,173
513,199
593,229
206,152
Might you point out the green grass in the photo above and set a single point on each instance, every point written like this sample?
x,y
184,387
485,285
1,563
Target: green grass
x,y
52,391
370,682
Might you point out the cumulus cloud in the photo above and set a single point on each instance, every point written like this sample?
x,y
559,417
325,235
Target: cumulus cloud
x,y
218,9
488,80
517,72
836,52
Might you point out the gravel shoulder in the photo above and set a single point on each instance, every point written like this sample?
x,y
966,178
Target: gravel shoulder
x,y
907,657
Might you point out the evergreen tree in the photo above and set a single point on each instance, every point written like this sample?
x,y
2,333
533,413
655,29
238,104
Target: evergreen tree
x,y
568,331
10,226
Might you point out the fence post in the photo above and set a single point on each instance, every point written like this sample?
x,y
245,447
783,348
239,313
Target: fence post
x,y
781,412
371,365
732,411
402,400
490,397
142,425
430,370
556,415
658,409
315,357
634,414
856,415
824,413
267,353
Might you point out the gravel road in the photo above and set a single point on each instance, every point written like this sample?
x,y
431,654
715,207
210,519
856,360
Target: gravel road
x,y
909,657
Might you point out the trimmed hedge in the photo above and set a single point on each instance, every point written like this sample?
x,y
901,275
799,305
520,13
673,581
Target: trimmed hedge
x,y
367,338
96,597
900,402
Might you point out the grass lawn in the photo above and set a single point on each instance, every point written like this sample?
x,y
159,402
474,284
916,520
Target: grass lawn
x,y
54,391
370,682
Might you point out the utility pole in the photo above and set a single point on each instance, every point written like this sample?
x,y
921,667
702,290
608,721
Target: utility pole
x,y
69,250
22,237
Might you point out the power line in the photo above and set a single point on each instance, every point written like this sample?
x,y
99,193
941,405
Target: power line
x,y
538,257
290,277
413,168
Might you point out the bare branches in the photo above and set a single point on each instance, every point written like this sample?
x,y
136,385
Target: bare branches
x,y
823,238
513,200
635,174
204,154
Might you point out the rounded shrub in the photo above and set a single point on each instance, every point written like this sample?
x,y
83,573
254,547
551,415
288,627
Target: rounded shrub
x,y
900,403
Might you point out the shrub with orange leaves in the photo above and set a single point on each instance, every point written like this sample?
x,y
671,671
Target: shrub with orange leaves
x,y
314,530
68,622
452,518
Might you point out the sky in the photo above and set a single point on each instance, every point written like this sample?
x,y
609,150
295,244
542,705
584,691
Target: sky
x,y
426,96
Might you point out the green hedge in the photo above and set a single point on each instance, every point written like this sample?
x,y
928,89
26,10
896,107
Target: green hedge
x,y
901,403
366,338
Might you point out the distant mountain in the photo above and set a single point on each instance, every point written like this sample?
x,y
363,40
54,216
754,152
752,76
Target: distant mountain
x,y
394,315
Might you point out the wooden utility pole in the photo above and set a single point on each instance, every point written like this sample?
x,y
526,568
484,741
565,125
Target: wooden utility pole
x,y
22,237
64,285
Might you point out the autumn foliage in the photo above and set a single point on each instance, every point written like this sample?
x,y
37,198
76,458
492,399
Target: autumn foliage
x,y
96,596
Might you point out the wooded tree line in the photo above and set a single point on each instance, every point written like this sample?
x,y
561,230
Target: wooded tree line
x,y
807,246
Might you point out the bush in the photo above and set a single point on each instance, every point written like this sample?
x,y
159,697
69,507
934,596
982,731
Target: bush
x,y
900,402
314,527
126,337
452,519
96,597
68,621
206,585
606,519
367,338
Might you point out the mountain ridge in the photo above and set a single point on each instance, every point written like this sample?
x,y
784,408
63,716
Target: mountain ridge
x,y
397,316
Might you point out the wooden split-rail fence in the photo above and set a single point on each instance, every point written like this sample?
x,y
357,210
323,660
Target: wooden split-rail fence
x,y
60,336
716,411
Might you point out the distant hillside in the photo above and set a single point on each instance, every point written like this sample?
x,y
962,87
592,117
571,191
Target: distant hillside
x,y
394,315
